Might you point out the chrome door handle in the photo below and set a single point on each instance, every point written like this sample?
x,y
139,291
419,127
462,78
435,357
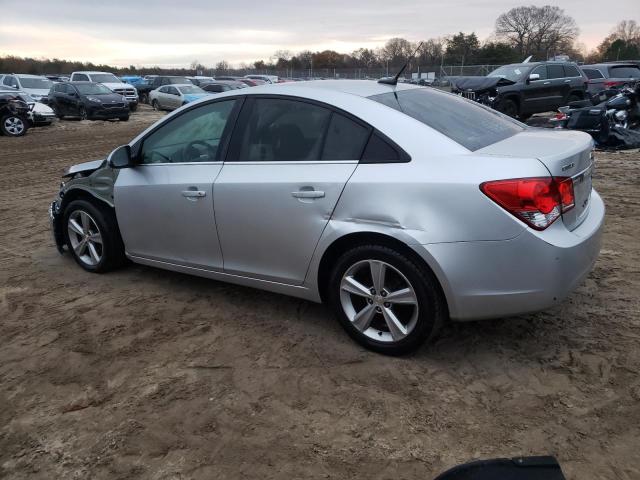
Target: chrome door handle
x,y
567,81
308,194
194,193
546,83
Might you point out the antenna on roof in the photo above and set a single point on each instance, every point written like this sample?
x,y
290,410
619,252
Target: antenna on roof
x,y
528,59
394,80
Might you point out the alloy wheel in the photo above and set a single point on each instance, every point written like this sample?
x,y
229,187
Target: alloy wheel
x,y
379,300
85,237
14,125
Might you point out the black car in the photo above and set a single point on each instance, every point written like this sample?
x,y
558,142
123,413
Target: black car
x,y
156,82
520,90
87,100
219,86
14,112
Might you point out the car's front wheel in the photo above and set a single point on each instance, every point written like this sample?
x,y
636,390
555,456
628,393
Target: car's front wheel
x,y
384,300
92,236
155,105
13,126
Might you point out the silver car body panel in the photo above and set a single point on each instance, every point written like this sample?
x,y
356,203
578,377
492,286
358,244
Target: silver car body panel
x,y
249,229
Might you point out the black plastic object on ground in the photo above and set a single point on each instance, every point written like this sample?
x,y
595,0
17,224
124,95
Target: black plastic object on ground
x,y
522,468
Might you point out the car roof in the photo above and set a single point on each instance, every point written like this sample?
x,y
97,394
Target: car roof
x,y
611,64
90,72
180,85
360,88
27,75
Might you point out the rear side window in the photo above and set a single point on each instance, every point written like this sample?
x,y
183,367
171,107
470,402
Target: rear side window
x,y
571,71
464,121
592,73
624,71
283,131
378,150
555,71
345,139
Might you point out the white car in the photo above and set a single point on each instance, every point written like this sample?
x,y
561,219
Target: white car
x,y
39,113
264,78
36,86
170,97
112,82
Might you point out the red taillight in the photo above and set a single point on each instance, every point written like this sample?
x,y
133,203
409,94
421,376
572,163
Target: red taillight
x,y
536,201
609,84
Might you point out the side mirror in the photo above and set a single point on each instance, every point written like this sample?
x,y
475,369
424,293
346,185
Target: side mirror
x,y
534,76
120,157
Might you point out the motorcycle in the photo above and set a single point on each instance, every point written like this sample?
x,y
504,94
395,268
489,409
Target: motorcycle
x,y
612,118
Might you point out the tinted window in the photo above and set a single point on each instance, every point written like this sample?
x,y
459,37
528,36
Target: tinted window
x,y
68,89
571,71
193,136
345,139
172,90
624,71
540,70
80,77
283,131
555,71
8,80
465,122
592,73
379,151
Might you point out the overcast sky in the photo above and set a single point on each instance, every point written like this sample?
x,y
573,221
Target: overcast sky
x,y
176,32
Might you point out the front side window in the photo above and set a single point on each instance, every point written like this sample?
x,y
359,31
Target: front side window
x,y
283,131
540,70
194,136
466,122
172,90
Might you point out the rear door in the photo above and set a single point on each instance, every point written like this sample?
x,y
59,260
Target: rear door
x,y
560,86
595,80
164,205
287,165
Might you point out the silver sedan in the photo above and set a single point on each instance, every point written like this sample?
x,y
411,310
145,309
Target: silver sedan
x,y
399,206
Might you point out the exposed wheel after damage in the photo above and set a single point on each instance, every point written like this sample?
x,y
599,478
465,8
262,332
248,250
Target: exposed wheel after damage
x,y
384,300
92,236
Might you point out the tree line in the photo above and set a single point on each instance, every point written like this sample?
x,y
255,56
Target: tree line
x,y
541,32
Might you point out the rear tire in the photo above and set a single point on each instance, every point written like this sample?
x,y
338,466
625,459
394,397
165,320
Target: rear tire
x,y
82,113
92,236
405,311
124,119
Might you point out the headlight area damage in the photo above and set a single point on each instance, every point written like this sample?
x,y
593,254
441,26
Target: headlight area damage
x,y
90,177
483,90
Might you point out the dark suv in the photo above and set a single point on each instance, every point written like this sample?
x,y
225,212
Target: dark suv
x,y
520,90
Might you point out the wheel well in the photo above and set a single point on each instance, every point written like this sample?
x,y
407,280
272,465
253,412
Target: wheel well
x,y
353,240
577,93
79,194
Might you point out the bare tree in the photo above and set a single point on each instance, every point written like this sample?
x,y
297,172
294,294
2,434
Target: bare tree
x,y
538,31
222,66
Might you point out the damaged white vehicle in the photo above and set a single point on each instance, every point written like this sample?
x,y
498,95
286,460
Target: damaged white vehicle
x,y
400,206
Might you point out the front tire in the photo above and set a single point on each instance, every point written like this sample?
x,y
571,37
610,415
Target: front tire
x,y
13,126
125,118
82,113
92,236
155,105
509,107
384,300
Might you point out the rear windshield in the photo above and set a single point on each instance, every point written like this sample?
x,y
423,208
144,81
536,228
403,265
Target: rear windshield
x,y
624,71
468,123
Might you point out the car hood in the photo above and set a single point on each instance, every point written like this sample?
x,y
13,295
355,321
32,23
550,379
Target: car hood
x,y
108,98
86,168
42,109
478,84
112,85
191,97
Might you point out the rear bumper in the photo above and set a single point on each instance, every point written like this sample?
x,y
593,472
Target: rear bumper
x,y
528,273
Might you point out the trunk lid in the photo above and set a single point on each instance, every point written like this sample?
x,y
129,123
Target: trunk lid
x,y
564,153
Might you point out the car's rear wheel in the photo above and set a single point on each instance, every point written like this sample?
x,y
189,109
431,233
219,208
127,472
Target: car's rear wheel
x,y
92,236
13,126
82,113
384,300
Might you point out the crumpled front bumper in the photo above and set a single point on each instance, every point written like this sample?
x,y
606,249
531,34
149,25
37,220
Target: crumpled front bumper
x,y
55,219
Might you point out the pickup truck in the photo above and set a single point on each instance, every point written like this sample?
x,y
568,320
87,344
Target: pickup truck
x,y
156,82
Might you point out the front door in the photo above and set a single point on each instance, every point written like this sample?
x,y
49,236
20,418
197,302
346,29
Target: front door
x,y
164,205
537,94
287,166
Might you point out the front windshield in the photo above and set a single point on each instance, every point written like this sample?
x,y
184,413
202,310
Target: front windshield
x,y
36,83
92,89
510,72
190,90
104,78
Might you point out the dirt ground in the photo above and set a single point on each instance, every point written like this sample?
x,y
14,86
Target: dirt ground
x,y
143,373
